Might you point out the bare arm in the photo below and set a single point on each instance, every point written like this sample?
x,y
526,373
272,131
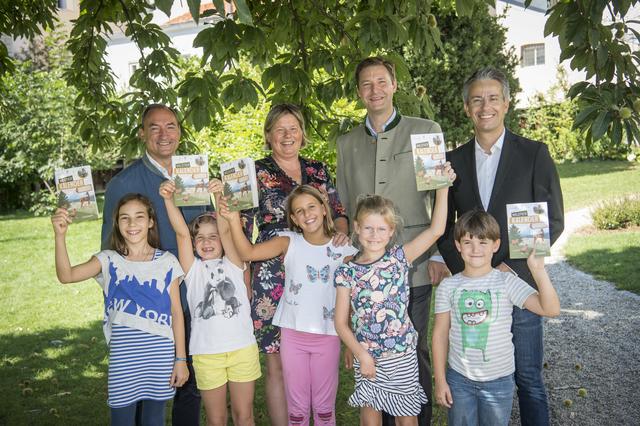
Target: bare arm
x,y
414,248
229,247
343,328
183,237
546,303
180,372
65,272
440,349
250,252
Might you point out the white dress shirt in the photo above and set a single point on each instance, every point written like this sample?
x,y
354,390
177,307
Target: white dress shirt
x,y
486,168
164,171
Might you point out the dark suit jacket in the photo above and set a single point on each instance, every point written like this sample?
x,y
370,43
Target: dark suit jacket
x,y
526,173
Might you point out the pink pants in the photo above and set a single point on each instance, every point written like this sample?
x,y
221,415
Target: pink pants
x,y
310,367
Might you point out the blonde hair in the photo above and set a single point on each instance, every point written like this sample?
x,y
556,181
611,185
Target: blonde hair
x,y
376,204
327,221
276,113
117,241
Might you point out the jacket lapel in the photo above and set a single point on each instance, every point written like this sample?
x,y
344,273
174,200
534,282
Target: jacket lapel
x,y
470,160
504,165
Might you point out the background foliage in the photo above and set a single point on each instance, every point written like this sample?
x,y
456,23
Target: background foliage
x,y
37,133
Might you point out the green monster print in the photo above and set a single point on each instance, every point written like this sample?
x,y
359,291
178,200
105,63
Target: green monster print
x,y
475,318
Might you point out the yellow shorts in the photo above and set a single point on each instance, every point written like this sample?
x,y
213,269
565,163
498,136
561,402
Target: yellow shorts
x,y
213,371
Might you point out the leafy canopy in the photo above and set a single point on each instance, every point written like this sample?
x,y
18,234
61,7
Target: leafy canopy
x,y
307,51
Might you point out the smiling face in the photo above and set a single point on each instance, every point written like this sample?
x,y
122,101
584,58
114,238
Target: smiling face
x,y
376,88
161,135
477,253
487,107
374,234
207,242
308,214
285,137
134,222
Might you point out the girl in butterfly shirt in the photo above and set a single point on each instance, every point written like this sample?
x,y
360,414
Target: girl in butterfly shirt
x,y
310,347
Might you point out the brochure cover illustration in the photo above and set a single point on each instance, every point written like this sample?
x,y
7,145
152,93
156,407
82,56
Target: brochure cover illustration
x,y
428,151
528,226
76,192
239,180
191,176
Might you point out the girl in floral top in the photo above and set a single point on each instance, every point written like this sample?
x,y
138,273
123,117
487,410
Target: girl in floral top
x,y
375,285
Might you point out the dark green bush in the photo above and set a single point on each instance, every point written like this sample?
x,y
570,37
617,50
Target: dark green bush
x,y
617,214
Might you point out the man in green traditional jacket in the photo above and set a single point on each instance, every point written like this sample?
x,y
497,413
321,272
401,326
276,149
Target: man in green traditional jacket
x,y
375,158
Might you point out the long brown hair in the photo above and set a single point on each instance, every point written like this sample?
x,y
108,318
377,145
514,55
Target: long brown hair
x,y
117,241
327,221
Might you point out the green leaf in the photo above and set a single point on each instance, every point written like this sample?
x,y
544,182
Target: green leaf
x,y
165,6
583,115
577,88
244,14
464,7
194,8
600,125
219,7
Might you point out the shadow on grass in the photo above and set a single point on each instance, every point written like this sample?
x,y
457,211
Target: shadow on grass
x,y
584,168
619,268
54,377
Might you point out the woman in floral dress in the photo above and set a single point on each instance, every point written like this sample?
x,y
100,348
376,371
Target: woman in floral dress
x,y
278,174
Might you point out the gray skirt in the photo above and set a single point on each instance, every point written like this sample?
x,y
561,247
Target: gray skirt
x,y
396,389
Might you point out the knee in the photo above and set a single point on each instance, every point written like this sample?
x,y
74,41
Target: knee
x,y
325,417
243,418
297,419
216,421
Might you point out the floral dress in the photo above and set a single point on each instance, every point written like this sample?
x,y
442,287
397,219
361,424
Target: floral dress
x,y
267,277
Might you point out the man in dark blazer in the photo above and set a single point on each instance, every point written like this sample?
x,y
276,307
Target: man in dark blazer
x,y
496,168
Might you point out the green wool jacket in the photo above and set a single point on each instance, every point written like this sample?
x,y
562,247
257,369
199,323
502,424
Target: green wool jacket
x,y
384,166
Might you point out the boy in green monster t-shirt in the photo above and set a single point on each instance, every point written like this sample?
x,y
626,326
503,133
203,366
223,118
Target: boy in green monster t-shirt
x,y
473,325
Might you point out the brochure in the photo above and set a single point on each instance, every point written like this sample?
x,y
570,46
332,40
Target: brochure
x,y
191,176
240,185
429,158
528,226
76,192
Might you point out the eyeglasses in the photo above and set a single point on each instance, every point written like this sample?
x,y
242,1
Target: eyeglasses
x,y
492,100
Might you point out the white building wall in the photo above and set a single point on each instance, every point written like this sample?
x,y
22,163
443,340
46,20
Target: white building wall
x,y
122,54
525,27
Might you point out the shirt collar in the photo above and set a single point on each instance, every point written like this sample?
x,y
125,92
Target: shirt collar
x,y
157,165
367,123
496,146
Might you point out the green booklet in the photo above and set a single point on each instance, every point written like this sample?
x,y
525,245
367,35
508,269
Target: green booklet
x,y
240,185
191,176
528,226
76,192
428,151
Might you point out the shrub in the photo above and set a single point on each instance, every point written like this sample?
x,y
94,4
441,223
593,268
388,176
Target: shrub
x,y
617,214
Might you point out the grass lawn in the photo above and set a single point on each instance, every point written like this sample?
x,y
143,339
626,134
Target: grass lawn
x,y
608,255
588,182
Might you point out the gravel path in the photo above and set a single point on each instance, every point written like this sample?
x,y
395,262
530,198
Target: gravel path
x,y
592,348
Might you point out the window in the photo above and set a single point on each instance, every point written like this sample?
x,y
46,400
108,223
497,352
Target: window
x,y
62,4
532,54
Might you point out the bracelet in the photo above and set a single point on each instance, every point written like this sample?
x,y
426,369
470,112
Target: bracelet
x,y
181,359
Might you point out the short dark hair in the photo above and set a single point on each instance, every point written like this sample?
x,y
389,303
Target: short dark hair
x,y
374,61
486,73
152,107
477,223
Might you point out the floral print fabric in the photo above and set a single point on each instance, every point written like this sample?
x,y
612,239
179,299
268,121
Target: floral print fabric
x,y
267,277
380,298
